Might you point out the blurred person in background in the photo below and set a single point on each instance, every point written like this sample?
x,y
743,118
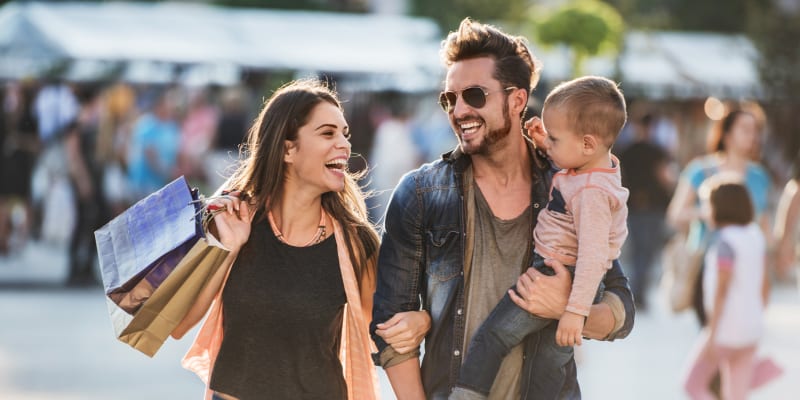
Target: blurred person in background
x,y
5,189
153,149
647,173
198,134
299,294
736,290
393,152
787,218
731,143
20,148
86,176
231,130
117,116
55,106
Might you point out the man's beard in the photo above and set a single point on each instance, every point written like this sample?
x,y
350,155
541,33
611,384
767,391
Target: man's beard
x,y
492,137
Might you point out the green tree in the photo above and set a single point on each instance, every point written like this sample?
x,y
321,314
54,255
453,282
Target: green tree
x,y
449,13
776,34
684,15
587,27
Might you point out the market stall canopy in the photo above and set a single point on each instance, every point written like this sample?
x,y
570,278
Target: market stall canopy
x,y
34,35
670,65
690,65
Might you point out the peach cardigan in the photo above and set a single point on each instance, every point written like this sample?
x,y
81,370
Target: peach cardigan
x,y
356,345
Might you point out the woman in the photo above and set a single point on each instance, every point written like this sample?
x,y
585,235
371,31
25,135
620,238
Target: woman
x,y
291,304
731,145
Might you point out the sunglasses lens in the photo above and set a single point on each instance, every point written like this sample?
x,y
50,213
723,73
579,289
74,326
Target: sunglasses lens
x,y
444,101
474,96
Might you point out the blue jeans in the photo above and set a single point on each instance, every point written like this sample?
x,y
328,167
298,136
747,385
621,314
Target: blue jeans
x,y
505,327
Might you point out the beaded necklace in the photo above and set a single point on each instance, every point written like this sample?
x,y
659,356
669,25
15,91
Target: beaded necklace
x,y
318,237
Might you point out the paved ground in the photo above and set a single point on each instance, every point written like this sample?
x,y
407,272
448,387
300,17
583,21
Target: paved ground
x,y
57,344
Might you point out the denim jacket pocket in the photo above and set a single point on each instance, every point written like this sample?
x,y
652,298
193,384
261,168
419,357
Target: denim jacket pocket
x,y
444,258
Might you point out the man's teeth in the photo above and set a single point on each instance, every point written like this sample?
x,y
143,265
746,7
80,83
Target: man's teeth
x,y
469,126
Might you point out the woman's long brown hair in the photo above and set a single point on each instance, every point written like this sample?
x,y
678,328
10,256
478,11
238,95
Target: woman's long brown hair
x,y
261,174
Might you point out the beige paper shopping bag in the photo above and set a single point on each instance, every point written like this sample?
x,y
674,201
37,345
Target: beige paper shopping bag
x,y
149,328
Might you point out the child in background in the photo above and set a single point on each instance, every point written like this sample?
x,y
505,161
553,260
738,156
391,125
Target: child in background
x,y
737,289
584,224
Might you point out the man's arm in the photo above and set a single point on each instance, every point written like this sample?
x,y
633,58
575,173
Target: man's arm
x,y
546,296
398,286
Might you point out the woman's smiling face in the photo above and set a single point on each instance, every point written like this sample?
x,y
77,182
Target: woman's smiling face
x,y
318,157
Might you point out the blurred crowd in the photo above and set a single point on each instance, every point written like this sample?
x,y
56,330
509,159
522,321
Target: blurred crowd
x,y
75,155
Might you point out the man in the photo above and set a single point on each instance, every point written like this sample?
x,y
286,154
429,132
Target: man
x,y
458,233
650,179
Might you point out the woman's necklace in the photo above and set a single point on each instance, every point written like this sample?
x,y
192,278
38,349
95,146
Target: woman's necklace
x,y
318,237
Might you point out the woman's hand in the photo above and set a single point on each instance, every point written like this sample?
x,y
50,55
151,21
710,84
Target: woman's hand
x,y
543,295
405,330
232,223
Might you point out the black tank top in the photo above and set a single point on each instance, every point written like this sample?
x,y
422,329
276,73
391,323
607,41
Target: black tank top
x,y
283,308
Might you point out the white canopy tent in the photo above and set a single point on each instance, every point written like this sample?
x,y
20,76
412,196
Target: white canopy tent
x,y
671,65
213,44
36,36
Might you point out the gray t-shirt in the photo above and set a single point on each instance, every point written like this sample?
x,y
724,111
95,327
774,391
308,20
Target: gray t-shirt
x,y
499,257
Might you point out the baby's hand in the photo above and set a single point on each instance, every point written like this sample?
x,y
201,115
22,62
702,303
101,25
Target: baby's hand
x,y
536,132
570,328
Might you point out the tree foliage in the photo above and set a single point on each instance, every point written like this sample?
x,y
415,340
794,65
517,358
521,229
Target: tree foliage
x,y
685,15
776,34
587,27
449,13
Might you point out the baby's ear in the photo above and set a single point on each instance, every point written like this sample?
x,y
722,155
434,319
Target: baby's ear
x,y
590,144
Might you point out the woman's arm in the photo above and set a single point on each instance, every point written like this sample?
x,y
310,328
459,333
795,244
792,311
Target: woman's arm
x,y
682,209
233,228
406,380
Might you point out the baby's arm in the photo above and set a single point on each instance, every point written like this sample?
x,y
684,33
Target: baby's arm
x,y
592,216
537,133
569,331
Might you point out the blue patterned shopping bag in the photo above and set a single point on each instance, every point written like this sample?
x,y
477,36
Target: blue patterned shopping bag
x,y
139,248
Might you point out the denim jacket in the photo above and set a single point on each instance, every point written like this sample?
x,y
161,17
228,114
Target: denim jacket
x,y
421,266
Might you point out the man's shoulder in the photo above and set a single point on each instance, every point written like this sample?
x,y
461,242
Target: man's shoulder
x,y
433,173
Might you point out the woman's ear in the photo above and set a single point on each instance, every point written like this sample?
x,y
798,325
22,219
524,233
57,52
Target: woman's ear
x,y
289,150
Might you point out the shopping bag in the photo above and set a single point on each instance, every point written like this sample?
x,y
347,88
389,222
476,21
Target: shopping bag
x,y
138,249
161,313
681,269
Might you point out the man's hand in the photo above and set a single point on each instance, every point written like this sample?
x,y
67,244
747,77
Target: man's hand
x,y
543,295
569,330
405,330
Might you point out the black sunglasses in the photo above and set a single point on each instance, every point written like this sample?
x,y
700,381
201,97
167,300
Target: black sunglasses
x,y
475,97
